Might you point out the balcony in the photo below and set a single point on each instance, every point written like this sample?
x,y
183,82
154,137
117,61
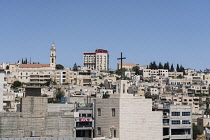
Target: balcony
x,y
83,124
186,136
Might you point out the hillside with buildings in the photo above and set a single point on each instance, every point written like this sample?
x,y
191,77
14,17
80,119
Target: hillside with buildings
x,y
92,102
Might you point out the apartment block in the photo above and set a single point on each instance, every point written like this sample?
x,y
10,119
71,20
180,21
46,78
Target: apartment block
x,y
177,121
84,123
98,60
182,100
147,73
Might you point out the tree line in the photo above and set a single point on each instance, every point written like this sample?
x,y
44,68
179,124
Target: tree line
x,y
170,68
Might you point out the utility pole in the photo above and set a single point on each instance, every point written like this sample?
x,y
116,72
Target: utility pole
x,y
121,58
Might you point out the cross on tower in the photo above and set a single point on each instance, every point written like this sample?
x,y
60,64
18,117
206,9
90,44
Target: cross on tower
x,y
121,58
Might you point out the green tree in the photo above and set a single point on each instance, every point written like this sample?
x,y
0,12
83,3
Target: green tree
x,y
136,70
172,68
196,132
59,66
119,71
111,72
166,66
16,84
180,76
177,68
106,95
160,66
44,95
207,103
59,93
155,65
75,67
48,82
101,85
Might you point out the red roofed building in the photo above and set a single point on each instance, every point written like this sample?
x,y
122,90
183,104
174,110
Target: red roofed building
x,y
127,66
98,60
33,65
34,74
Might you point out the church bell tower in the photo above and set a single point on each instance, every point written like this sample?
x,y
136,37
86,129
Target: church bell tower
x,y
53,56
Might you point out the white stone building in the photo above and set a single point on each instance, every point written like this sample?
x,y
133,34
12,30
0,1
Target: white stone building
x,y
147,73
98,60
127,117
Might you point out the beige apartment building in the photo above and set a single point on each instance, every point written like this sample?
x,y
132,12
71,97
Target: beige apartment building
x,y
175,74
185,81
98,60
183,100
127,66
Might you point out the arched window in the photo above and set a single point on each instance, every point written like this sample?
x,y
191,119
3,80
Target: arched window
x,y
52,60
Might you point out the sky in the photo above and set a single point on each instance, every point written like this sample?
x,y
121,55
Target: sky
x,y
177,31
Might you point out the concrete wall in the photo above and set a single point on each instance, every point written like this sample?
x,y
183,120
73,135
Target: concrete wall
x,y
35,117
47,138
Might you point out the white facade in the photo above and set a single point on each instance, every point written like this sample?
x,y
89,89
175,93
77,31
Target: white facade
x,y
127,117
98,60
53,56
157,72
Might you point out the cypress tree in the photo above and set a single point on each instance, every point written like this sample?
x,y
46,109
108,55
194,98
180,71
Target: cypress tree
x,y
177,68
160,66
172,68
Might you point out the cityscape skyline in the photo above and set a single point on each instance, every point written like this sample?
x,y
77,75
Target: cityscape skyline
x,y
144,31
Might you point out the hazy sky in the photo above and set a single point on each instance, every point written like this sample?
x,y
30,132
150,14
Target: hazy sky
x,y
177,31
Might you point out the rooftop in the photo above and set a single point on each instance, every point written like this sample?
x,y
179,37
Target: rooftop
x,y
128,64
33,65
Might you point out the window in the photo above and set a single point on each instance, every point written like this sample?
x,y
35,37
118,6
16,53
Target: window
x,y
175,113
185,113
113,112
99,130
115,133
175,122
99,112
89,115
186,122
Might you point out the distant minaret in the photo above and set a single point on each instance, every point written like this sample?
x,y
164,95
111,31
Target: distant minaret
x,y
53,56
